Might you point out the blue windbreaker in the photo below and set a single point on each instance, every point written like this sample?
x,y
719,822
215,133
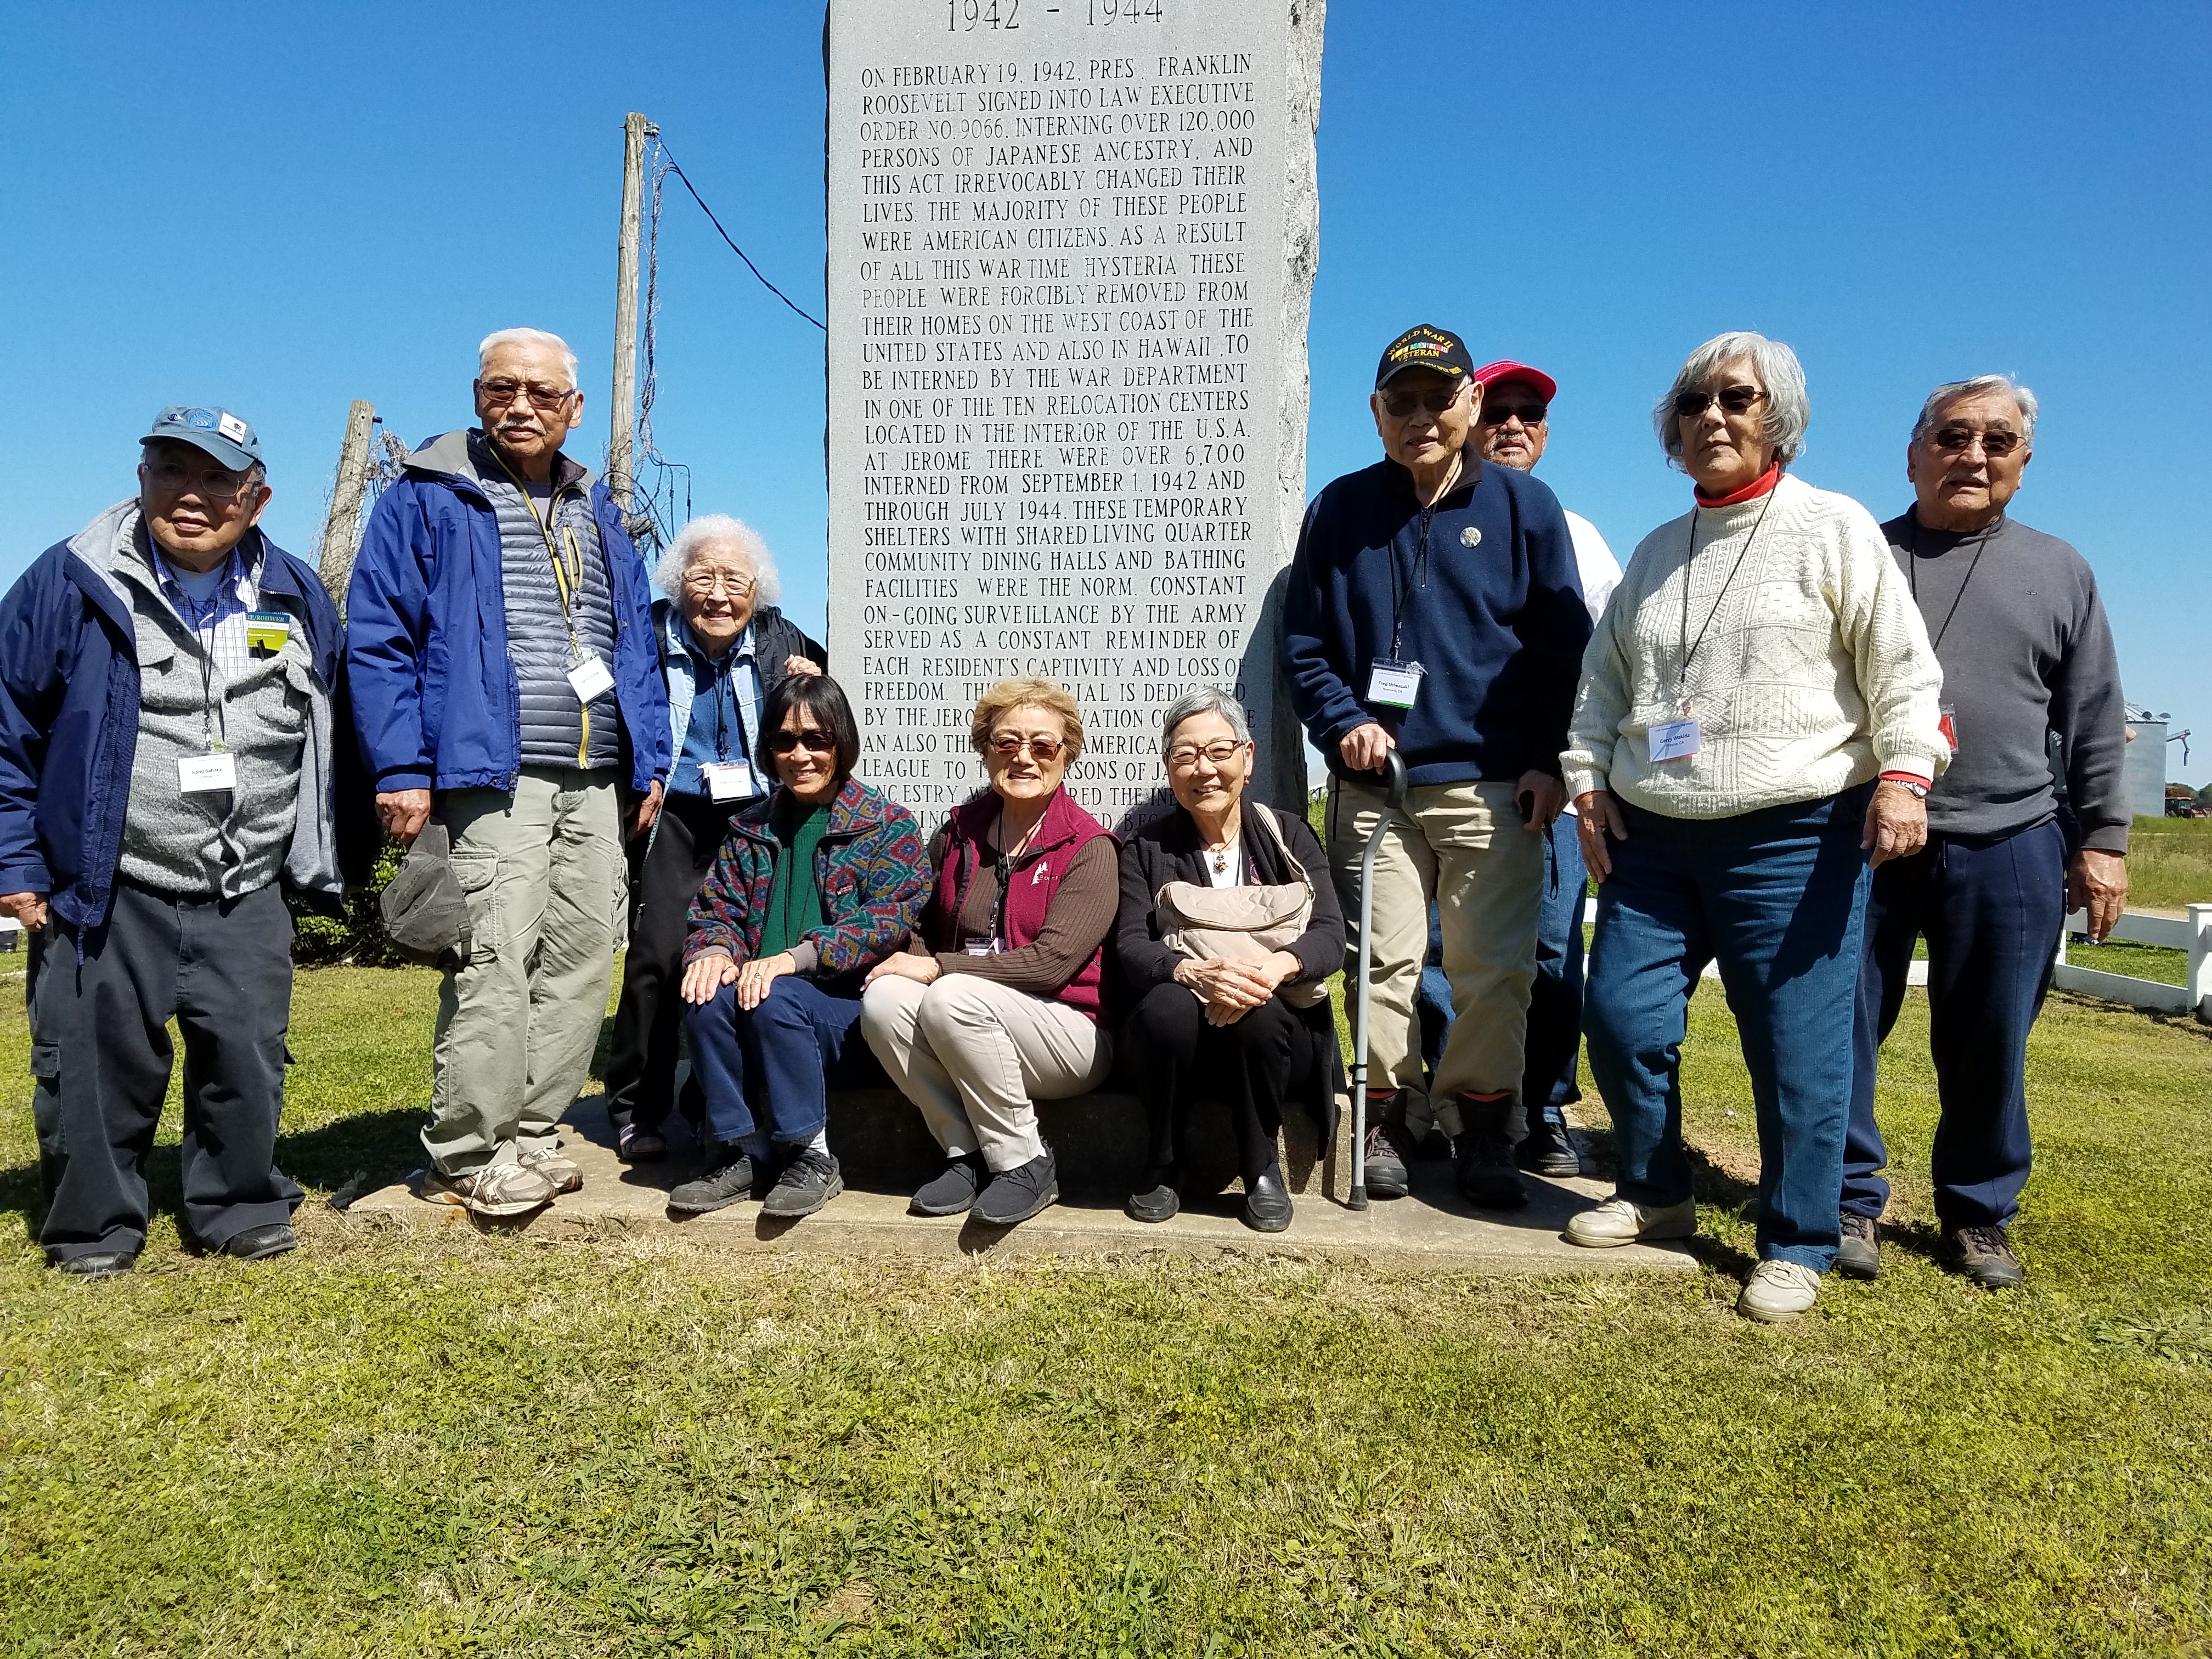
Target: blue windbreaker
x,y
68,722
434,696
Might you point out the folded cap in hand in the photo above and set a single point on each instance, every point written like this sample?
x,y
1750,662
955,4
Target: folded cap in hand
x,y
426,915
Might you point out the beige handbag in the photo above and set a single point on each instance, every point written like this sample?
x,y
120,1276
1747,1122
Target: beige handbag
x,y
1203,923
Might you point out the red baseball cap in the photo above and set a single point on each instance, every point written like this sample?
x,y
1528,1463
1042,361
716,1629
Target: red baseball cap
x,y
1506,369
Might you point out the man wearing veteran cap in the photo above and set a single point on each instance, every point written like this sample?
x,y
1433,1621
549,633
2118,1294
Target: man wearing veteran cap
x,y
167,768
1433,608
507,687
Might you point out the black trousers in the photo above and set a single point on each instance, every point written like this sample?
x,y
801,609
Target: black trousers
x,y
1172,1053
100,1055
649,1017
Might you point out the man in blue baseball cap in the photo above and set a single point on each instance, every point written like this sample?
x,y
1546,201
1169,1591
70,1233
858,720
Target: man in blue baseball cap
x,y
167,771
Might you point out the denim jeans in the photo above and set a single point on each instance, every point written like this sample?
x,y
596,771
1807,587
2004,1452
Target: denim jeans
x,y
1990,914
1777,897
770,1067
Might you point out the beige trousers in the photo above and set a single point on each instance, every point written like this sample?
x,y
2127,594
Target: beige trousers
x,y
973,1054
543,871
1467,849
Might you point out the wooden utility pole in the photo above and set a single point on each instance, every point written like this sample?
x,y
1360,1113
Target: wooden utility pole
x,y
622,418
342,532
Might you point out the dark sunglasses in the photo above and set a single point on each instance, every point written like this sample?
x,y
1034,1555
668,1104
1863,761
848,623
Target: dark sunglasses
x,y
1957,440
1436,400
815,743
1529,414
1737,400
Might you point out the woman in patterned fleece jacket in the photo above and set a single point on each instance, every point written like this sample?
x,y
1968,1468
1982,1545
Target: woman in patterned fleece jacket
x,y
1758,719
813,887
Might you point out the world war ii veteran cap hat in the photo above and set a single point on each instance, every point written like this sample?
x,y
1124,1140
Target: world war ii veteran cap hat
x,y
1424,346
217,431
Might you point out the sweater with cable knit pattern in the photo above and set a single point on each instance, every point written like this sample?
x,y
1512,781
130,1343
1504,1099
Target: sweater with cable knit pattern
x,y
1814,673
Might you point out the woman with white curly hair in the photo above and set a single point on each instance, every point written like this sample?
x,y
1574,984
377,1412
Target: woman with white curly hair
x,y
1758,722
724,647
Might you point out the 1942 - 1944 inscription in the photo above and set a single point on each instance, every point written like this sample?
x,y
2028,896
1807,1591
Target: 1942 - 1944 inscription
x,y
1071,247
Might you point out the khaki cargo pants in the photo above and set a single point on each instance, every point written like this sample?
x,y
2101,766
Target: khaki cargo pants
x,y
1467,848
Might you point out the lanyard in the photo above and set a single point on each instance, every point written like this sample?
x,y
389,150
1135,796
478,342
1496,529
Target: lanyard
x,y
203,627
568,575
1912,575
1689,648
1417,577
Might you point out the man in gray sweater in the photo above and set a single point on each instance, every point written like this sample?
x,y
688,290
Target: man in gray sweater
x,y
2027,655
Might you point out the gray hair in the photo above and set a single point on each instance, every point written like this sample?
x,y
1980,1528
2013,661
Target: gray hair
x,y
1206,700
712,529
1950,391
537,337
1786,413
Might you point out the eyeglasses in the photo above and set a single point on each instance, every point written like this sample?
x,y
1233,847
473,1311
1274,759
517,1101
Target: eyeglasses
x,y
716,581
1956,439
498,394
1184,756
815,743
1007,745
1399,404
1737,400
216,483
1529,414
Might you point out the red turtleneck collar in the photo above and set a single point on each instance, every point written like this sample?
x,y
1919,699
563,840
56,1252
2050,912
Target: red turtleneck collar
x,y
1751,492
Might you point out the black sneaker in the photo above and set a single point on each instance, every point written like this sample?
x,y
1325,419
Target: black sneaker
x,y
1016,1194
1266,1204
1549,1150
1859,1255
810,1180
1156,1198
1390,1149
953,1188
1487,1175
1984,1255
98,1265
729,1180
258,1243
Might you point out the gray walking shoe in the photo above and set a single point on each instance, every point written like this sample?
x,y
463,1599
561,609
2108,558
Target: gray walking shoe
x,y
495,1191
1859,1255
726,1180
810,1180
1984,1255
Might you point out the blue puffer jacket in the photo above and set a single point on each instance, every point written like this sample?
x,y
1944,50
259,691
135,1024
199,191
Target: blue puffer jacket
x,y
434,688
69,724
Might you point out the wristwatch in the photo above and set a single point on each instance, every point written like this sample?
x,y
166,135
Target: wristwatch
x,y
1919,789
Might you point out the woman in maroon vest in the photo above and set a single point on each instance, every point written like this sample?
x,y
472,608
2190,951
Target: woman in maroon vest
x,y
994,1004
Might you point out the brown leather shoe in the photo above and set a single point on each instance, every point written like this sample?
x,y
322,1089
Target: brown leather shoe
x,y
1984,1255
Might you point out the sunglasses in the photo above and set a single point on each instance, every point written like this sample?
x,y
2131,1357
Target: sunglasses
x,y
1043,749
1185,756
1436,400
1737,400
1528,414
815,743
1957,440
498,394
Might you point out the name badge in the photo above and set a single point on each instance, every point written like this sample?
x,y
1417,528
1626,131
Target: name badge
x,y
591,678
728,781
1393,684
1948,725
981,947
267,630
216,769
1674,740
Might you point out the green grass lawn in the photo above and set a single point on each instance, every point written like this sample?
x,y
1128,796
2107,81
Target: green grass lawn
x,y
389,1444
2169,863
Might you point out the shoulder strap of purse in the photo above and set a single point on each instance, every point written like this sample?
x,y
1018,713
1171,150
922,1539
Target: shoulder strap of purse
x,y
1266,815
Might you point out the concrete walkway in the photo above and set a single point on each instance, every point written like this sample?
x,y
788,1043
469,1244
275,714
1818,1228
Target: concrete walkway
x,y
1433,1226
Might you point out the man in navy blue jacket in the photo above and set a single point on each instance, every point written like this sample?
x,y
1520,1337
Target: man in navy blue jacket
x,y
507,685
168,690
1434,608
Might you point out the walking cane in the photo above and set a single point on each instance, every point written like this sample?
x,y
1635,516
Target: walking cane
x,y
1394,797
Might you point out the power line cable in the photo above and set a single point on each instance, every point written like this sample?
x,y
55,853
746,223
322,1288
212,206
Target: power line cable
x,y
734,248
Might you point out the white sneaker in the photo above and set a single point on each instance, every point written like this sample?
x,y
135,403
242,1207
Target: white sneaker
x,y
494,1190
1623,1221
1779,1290
563,1175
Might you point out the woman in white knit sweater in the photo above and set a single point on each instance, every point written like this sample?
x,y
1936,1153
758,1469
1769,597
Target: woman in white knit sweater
x,y
1757,721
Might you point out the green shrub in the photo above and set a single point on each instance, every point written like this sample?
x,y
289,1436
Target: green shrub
x,y
320,941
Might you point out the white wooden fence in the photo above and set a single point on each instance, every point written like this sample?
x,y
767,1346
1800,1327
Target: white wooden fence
x,y
2192,936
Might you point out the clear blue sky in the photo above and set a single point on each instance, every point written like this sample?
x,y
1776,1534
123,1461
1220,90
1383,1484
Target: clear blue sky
x,y
287,207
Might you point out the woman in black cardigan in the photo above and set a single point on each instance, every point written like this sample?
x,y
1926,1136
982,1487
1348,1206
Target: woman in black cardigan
x,y
1223,1020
